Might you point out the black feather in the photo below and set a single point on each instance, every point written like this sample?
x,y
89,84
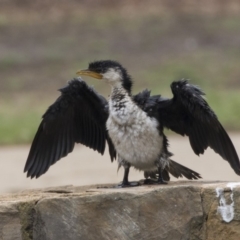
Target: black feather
x,y
78,116
187,113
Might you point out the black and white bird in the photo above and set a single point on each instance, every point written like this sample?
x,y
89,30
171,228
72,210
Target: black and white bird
x,y
132,126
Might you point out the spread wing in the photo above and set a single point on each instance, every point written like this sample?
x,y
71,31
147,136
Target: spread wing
x,y
187,113
79,115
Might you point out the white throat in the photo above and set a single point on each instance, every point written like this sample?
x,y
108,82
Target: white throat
x,y
113,77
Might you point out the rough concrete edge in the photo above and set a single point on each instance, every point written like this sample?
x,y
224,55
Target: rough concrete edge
x,y
26,214
205,214
210,191
26,207
198,233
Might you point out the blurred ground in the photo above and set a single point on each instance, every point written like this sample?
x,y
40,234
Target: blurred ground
x,y
84,166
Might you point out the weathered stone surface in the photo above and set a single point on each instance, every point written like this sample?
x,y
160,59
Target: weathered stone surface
x,y
10,227
180,210
217,225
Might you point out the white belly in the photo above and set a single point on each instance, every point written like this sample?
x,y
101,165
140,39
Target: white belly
x,y
136,138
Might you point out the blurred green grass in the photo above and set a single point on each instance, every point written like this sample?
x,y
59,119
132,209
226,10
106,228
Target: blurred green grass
x,y
18,124
19,119
38,57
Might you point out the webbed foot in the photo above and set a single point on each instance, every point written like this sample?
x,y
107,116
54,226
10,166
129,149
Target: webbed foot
x,y
149,181
161,181
128,184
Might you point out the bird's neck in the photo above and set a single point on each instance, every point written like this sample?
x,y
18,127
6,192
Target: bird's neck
x,y
119,94
121,107
120,82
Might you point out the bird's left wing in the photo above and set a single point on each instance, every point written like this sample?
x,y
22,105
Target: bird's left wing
x,y
187,113
78,116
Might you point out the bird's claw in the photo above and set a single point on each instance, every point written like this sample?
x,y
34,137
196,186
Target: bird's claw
x,y
128,184
149,181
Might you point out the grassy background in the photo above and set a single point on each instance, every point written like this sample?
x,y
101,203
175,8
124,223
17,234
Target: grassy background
x,y
43,43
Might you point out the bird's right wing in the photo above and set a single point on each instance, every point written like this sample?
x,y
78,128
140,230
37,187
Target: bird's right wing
x,y
78,116
187,113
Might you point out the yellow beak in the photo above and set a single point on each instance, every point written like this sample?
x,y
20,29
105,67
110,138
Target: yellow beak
x,y
86,72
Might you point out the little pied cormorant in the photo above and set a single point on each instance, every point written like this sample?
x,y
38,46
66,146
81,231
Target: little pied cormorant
x,y
131,125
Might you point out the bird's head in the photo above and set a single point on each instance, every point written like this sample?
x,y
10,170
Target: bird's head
x,y
110,71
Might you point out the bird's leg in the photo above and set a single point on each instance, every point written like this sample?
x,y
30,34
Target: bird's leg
x,y
125,182
125,176
160,178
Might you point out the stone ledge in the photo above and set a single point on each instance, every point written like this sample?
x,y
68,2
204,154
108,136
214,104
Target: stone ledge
x,y
179,210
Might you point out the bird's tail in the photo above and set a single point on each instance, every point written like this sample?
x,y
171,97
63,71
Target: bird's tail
x,y
178,170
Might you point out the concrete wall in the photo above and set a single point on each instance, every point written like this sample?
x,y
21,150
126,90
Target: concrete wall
x,y
179,210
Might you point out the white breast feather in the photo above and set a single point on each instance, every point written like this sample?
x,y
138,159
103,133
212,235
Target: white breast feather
x,y
135,135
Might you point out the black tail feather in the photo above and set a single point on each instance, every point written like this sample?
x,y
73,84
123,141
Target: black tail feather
x,y
178,170
175,169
